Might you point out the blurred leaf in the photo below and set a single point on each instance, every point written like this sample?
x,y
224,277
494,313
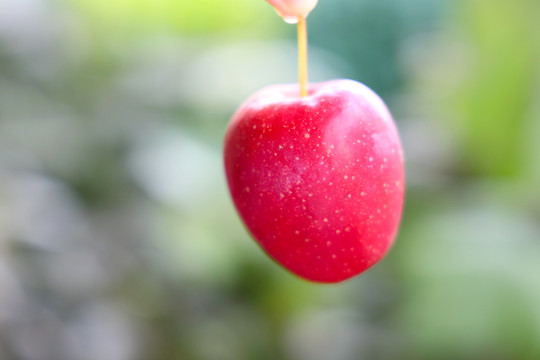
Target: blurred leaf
x,y
368,35
203,16
471,283
494,100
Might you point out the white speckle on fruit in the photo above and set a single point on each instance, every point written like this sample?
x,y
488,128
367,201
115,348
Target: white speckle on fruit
x,y
310,194
338,232
306,136
297,232
247,189
307,240
347,229
281,196
370,158
363,193
345,177
334,256
325,220
328,243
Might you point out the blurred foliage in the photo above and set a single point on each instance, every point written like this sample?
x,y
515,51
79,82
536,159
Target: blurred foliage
x,y
369,35
493,104
117,236
187,17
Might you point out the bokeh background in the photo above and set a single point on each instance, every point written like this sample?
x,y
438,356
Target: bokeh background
x,y
118,239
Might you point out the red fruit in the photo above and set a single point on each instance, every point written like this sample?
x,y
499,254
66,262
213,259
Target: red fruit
x,y
318,180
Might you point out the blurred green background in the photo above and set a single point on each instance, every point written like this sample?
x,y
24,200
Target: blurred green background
x,y
118,239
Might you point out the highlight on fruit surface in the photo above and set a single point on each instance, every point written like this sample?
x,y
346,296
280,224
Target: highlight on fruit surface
x,y
292,10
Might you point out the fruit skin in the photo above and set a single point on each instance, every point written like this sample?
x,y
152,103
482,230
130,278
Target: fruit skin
x,y
317,180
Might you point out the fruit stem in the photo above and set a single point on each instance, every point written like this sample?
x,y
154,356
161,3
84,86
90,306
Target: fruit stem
x,y
302,55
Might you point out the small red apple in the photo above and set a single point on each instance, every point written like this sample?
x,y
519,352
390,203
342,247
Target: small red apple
x,y
318,180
